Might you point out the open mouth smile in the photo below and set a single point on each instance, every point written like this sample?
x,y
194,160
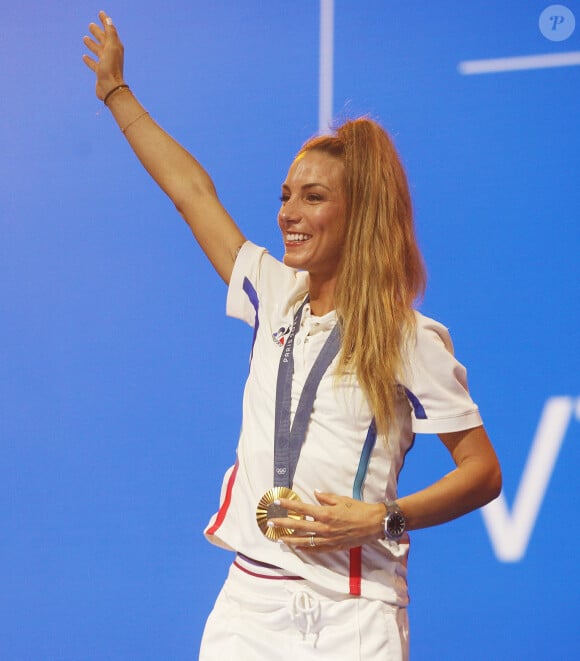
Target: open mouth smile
x,y
296,237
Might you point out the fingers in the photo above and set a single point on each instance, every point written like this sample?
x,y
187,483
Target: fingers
x,y
326,498
338,523
90,62
97,33
297,506
301,507
108,25
300,526
92,46
96,49
311,544
107,21
329,511
316,544
108,29
105,18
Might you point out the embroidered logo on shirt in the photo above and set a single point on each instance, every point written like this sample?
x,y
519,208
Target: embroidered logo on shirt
x,y
279,336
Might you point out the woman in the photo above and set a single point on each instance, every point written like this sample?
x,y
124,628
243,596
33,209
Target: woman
x,y
343,374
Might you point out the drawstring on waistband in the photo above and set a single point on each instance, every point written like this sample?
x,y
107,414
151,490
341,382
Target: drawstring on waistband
x,y
305,613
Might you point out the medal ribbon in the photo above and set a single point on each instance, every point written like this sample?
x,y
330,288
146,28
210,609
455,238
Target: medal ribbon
x,y
288,440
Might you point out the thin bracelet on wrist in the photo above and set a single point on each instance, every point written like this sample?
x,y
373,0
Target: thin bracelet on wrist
x,y
133,121
110,93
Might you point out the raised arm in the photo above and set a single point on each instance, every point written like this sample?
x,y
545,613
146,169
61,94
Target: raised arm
x,y
171,166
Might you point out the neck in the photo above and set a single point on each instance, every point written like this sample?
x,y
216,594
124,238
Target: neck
x,y
321,294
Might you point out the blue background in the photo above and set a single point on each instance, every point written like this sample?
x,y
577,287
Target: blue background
x,y
121,379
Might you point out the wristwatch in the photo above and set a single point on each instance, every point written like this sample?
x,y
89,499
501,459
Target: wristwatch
x,y
394,523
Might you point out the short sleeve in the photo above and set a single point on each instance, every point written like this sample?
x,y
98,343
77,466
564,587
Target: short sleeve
x,y
436,383
261,285
242,299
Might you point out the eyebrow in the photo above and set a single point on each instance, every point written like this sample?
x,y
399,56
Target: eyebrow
x,y
312,185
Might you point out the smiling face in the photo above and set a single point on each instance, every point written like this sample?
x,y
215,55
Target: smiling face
x,y
313,213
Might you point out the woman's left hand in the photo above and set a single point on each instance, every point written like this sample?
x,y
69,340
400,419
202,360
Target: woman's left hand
x,y
336,524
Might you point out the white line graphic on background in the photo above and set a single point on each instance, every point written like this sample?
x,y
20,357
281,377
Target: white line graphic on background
x,y
510,532
326,81
519,63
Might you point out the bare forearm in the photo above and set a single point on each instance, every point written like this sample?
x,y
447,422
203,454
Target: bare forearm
x,y
175,170
474,482
182,178
461,491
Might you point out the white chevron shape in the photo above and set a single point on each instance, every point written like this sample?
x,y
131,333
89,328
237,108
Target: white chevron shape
x,y
510,532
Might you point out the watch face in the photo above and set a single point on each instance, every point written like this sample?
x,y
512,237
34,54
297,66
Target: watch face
x,y
395,524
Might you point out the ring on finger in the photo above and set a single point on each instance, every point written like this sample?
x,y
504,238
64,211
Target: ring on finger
x,y
311,541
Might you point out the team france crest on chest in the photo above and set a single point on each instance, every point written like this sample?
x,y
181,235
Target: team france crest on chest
x,y
281,335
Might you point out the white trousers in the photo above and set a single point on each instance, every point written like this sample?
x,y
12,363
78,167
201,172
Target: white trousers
x,y
264,618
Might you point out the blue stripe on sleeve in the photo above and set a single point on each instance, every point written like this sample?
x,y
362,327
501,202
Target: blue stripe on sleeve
x,y
252,294
417,406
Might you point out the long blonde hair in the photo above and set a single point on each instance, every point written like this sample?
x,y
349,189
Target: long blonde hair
x,y
381,272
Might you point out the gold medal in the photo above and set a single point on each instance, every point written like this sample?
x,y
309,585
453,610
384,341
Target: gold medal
x,y
268,510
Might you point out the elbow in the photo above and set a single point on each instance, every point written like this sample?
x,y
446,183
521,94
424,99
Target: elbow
x,y
191,193
486,483
493,484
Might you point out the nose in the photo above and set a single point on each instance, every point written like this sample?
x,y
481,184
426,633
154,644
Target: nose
x,y
289,212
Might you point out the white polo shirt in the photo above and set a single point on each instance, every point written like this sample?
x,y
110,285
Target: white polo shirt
x,y
266,294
